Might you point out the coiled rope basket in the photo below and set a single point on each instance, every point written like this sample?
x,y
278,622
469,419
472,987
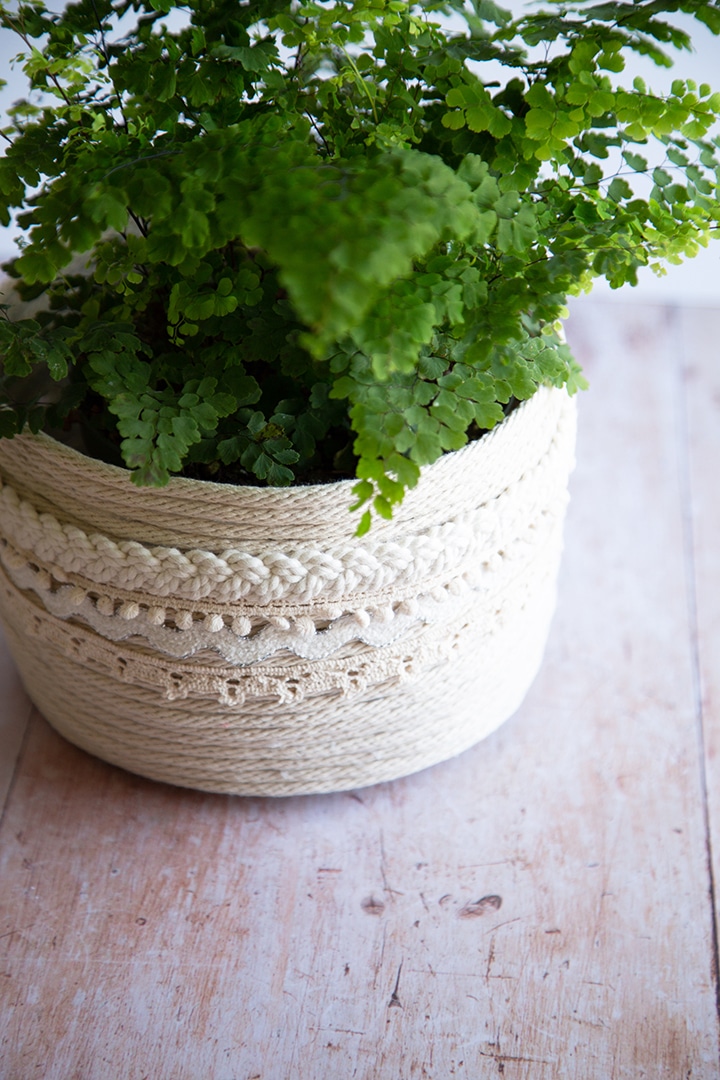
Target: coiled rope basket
x,y
243,640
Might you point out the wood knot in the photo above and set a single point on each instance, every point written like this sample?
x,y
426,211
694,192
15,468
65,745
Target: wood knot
x,y
371,906
479,907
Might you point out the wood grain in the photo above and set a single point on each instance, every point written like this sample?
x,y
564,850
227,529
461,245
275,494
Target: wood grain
x,y
537,909
698,336
15,707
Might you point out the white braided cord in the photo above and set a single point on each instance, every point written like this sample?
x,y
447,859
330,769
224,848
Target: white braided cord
x,y
241,641
301,574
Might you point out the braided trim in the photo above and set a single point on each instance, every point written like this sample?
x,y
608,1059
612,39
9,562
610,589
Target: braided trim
x,y
240,641
301,637
302,574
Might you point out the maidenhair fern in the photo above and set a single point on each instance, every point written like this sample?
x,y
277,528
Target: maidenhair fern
x,y
321,240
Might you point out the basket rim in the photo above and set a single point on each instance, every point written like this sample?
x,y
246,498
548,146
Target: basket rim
x,y
92,494
474,446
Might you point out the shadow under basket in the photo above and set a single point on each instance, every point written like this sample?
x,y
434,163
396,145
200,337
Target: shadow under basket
x,y
243,640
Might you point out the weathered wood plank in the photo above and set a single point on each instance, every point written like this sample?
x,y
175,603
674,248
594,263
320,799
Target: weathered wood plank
x,y
537,908
698,335
15,707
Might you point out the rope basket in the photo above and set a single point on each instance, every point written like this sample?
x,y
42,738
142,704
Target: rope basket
x,y
243,640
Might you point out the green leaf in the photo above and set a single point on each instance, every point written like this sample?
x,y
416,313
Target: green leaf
x,y
364,524
363,491
204,415
9,425
426,448
661,177
140,430
539,122
108,209
185,429
619,189
165,81
677,157
230,450
36,266
635,161
404,469
454,120
278,475
382,506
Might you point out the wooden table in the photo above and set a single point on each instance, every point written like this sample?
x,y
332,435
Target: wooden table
x,y
542,907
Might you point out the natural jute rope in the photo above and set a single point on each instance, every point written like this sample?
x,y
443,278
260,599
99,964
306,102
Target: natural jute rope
x,y
243,640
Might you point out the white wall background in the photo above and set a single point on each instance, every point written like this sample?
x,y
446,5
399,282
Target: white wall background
x,y
695,282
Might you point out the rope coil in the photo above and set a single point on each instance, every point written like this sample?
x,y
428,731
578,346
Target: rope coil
x,y
137,638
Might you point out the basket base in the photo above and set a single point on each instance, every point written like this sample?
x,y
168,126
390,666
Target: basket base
x,y
331,743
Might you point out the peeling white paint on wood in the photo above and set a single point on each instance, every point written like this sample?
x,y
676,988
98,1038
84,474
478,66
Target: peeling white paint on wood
x,y
537,909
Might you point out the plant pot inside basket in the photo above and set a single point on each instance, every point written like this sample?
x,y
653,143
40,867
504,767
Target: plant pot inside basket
x,y
243,640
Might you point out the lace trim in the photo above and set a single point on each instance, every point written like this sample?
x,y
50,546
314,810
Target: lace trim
x,y
241,641
286,682
299,637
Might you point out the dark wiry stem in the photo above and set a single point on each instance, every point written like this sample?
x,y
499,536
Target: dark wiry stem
x,y
142,226
27,41
106,57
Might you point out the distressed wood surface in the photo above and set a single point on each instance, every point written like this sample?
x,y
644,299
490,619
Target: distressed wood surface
x,y
539,908
15,707
698,335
